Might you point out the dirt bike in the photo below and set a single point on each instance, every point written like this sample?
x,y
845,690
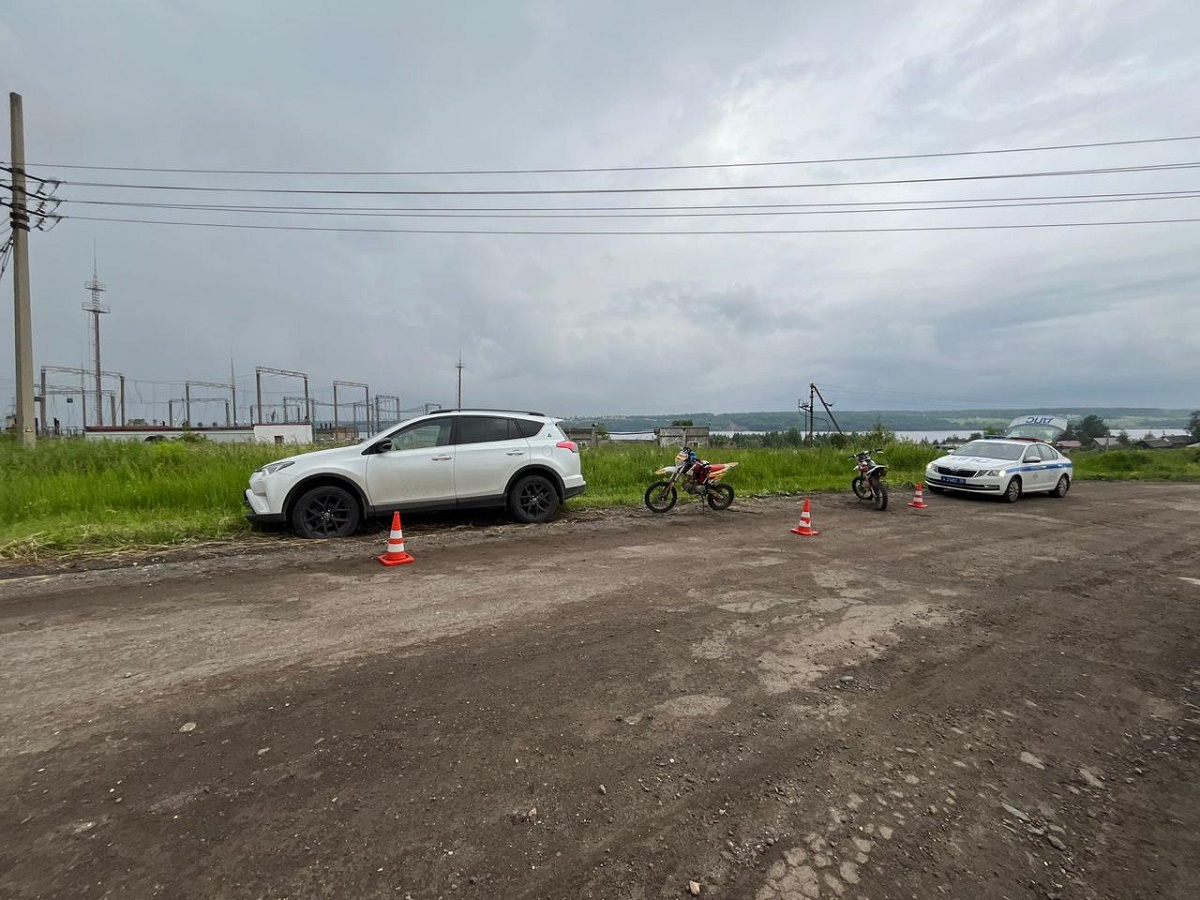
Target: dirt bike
x,y
868,484
695,477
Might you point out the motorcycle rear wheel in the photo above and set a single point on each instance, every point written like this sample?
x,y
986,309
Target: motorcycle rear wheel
x,y
861,490
879,489
661,496
719,496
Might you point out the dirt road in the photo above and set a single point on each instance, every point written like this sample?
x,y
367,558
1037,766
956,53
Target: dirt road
x,y
974,700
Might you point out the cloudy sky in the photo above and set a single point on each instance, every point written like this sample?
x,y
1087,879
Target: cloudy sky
x,y
722,297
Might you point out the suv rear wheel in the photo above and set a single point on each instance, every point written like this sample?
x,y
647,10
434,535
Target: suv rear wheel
x,y
532,500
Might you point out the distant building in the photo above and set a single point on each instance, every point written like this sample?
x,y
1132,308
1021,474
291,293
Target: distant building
x,y
682,435
1166,442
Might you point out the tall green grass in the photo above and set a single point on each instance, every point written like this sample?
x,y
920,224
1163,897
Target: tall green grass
x,y
72,497
618,474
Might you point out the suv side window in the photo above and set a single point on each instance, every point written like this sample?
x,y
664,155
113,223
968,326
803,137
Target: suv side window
x,y
1047,452
525,428
423,435
483,429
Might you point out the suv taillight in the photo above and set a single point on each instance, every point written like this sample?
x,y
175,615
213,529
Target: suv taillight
x,y
568,445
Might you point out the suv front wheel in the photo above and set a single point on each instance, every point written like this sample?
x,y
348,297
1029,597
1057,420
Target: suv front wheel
x,y
326,511
532,500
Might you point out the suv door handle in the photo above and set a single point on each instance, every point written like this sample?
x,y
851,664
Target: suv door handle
x,y
440,458
515,453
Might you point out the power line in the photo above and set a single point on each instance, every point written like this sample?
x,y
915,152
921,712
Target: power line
x,y
746,210
659,168
593,233
1112,170
1000,201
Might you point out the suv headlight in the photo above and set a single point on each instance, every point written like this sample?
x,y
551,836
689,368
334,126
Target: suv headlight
x,y
272,468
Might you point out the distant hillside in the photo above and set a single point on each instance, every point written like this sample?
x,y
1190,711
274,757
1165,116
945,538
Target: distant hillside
x,y
965,420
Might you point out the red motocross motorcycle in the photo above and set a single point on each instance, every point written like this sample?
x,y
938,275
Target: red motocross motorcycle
x,y
695,476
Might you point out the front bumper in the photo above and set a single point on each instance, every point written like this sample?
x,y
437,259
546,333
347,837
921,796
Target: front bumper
x,y
260,511
951,483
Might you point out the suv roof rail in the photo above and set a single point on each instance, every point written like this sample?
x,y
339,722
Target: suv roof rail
x,y
521,412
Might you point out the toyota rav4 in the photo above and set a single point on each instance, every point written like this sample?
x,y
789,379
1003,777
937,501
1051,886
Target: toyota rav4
x,y
450,459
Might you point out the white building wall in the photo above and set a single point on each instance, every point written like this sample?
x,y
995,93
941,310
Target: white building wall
x,y
290,434
283,434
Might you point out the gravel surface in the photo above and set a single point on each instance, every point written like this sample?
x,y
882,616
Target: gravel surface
x,y
973,700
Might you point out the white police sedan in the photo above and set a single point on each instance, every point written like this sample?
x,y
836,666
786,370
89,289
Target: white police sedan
x,y
1019,463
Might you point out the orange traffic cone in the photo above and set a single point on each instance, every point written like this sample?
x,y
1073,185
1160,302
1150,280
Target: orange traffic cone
x,y
805,527
396,554
918,502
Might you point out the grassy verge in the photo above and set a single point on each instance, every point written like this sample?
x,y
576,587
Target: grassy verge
x,y
66,498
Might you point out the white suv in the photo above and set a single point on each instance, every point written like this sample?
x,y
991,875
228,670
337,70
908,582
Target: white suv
x,y
450,459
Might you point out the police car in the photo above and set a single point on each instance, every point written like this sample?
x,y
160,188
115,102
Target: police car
x,y
1020,462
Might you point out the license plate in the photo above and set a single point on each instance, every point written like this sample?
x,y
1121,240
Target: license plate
x,y
949,479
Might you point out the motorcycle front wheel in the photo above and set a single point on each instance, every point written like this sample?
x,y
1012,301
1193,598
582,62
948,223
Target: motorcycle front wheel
x,y
879,489
661,496
861,489
719,496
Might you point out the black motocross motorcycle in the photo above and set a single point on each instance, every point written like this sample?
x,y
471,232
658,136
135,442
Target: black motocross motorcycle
x,y
868,484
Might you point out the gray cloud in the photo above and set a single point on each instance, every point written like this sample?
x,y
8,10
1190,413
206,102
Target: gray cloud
x,y
605,323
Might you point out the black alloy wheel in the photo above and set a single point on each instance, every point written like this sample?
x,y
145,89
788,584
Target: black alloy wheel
x,y
532,500
326,511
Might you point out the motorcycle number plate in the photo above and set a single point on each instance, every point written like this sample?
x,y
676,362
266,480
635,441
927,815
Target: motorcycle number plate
x,y
952,480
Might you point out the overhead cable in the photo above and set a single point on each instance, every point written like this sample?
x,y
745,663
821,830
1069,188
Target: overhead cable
x,y
664,232
604,169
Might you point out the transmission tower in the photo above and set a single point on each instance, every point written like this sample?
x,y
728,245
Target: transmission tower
x,y
97,309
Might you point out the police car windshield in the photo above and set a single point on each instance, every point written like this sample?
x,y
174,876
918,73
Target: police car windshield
x,y
990,450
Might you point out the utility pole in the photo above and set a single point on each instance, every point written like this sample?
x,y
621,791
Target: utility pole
x,y
460,368
828,407
97,309
23,315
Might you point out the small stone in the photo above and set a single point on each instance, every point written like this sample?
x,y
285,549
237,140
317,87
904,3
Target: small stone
x,y
1090,778
849,872
1056,842
847,679
694,888
1030,760
603,789
187,726
1013,811
264,750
